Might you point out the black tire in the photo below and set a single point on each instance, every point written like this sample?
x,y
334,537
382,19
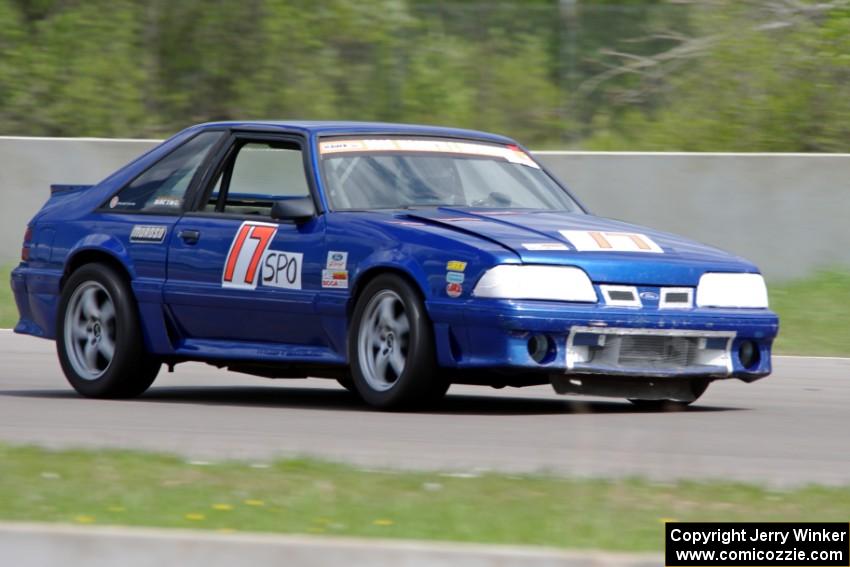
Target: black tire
x,y
419,383
347,383
130,370
697,387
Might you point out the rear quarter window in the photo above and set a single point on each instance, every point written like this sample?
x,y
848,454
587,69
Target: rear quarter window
x,y
163,186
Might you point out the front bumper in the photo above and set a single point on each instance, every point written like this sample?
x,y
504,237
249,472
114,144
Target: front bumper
x,y
496,334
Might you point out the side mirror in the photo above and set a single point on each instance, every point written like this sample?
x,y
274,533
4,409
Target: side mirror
x,y
298,210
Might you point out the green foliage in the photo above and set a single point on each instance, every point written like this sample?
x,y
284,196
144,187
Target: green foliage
x,y
772,88
763,80
77,72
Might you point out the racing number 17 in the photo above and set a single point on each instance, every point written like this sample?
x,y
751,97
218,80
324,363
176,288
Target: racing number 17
x,y
246,252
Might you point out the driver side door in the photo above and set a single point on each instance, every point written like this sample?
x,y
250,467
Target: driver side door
x,y
234,273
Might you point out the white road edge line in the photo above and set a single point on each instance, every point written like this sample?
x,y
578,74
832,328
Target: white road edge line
x,y
791,356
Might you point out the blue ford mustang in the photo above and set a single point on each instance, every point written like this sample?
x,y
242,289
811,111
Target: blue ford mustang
x,y
397,259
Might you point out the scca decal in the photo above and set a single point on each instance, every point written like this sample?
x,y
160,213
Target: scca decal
x,y
246,252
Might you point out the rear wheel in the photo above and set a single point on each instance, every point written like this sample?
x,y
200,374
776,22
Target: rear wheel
x,y
391,347
99,340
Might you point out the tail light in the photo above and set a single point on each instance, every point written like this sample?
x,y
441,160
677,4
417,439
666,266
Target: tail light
x,y
25,249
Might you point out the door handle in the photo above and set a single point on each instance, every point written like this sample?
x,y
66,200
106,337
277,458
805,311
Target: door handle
x,y
190,236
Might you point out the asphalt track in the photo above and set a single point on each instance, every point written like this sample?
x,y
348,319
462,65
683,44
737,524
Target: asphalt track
x,y
788,429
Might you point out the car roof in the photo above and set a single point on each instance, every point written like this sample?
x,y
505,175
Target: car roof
x,y
337,128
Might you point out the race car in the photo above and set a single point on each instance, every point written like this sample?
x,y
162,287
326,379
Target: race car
x,y
397,259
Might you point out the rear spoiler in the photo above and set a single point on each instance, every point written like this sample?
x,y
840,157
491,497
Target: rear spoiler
x,y
55,189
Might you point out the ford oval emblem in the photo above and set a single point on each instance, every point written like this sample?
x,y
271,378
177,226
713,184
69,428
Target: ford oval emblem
x,y
649,295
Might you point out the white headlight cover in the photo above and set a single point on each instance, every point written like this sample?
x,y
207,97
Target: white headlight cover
x,y
732,290
556,283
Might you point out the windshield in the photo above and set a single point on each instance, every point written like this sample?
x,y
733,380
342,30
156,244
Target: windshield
x,y
403,173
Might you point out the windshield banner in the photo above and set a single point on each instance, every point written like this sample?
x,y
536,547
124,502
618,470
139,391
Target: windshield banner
x,y
511,153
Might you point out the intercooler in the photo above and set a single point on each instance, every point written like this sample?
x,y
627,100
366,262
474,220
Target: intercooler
x,y
648,352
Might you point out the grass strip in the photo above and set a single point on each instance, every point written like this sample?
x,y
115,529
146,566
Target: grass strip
x,y
814,315
313,497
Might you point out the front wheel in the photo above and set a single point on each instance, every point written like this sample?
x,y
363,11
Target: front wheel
x,y
99,340
391,347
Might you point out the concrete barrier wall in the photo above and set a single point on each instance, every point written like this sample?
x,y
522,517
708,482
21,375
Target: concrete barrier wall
x,y
789,213
29,165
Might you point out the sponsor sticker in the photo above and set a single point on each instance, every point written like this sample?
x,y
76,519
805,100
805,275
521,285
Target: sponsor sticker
x,y
509,153
150,234
113,202
455,277
543,246
344,146
336,260
282,269
611,241
335,279
455,266
454,289
167,202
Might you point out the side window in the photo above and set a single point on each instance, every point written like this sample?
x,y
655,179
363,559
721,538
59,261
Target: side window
x,y
260,174
163,186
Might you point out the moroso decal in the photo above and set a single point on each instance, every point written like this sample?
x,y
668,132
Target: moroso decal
x,y
611,241
148,234
246,253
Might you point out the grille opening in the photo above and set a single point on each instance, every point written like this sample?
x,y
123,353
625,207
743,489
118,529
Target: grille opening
x,y
676,297
625,296
662,352
638,352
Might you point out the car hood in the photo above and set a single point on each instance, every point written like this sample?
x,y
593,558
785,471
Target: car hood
x,y
563,238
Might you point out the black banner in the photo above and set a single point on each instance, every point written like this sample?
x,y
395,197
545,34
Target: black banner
x,y
768,544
